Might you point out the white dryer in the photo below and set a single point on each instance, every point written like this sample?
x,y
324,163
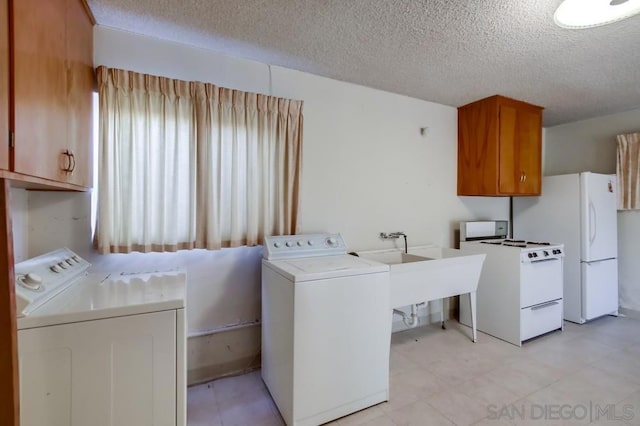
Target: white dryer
x,y
326,328
99,349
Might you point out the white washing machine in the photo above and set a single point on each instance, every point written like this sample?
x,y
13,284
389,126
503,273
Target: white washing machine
x,y
326,328
99,349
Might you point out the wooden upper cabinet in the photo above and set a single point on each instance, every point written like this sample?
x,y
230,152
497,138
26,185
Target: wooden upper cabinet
x,y
53,86
499,148
80,87
4,84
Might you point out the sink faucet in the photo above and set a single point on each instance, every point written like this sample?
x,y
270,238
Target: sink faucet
x,y
394,236
391,236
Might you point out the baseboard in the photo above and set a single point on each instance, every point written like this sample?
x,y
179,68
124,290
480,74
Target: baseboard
x,y
630,313
221,354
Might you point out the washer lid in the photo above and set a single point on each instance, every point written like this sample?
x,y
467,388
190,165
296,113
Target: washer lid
x,y
99,296
324,267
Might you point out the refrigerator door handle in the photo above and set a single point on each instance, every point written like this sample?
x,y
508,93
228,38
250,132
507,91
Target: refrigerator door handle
x,y
592,223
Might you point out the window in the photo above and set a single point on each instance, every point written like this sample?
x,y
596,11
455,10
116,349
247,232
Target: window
x,y
190,165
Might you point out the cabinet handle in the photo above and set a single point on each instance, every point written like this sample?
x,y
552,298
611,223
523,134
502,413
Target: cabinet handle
x,y
73,161
67,154
524,177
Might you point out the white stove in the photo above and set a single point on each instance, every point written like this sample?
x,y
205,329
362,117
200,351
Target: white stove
x,y
520,293
530,251
99,348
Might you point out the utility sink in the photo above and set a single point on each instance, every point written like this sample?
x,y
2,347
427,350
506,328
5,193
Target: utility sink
x,y
428,273
392,257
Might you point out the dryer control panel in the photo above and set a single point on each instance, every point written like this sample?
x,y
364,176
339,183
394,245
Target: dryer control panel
x,y
305,245
40,278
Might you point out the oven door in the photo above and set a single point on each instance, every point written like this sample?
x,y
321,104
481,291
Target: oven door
x,y
540,281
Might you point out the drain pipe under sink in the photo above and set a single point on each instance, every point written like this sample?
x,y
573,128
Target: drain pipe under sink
x,y
410,320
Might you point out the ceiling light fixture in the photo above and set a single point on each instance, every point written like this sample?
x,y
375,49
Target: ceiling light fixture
x,y
578,14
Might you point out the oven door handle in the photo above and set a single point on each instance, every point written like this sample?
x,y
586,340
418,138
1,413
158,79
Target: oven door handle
x,y
544,305
543,260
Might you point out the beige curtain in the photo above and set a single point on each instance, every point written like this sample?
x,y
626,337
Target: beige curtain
x,y
253,143
190,165
628,171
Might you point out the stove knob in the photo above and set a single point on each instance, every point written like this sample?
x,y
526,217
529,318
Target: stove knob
x,y
546,253
289,244
530,255
559,251
535,254
32,281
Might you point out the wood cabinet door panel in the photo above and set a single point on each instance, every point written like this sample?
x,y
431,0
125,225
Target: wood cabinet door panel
x,y
40,89
530,156
4,84
477,151
80,91
509,169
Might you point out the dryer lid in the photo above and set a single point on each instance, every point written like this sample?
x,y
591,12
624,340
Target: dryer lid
x,y
100,296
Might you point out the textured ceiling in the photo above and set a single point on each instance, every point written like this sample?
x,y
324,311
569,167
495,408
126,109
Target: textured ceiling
x,y
447,51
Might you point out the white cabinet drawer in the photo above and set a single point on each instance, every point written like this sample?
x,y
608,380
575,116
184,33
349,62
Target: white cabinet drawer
x,y
540,319
541,281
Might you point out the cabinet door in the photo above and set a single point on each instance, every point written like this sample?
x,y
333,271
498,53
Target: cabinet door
x,y
117,371
477,149
529,159
40,89
4,84
80,90
520,135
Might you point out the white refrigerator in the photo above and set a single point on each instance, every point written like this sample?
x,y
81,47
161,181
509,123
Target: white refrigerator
x,y
580,211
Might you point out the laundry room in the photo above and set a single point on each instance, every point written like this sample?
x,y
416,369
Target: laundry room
x,y
372,160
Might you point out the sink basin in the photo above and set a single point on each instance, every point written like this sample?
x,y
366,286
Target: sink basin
x,y
428,273
392,257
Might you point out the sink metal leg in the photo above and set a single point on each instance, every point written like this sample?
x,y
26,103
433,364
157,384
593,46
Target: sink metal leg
x,y
472,309
442,306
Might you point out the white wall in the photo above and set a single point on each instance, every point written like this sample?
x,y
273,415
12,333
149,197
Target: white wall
x,y
18,205
366,169
590,145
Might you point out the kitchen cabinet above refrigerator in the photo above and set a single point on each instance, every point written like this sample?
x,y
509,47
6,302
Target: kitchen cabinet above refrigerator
x,y
499,148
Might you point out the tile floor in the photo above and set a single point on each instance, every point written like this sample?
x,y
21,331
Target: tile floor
x,y
586,374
